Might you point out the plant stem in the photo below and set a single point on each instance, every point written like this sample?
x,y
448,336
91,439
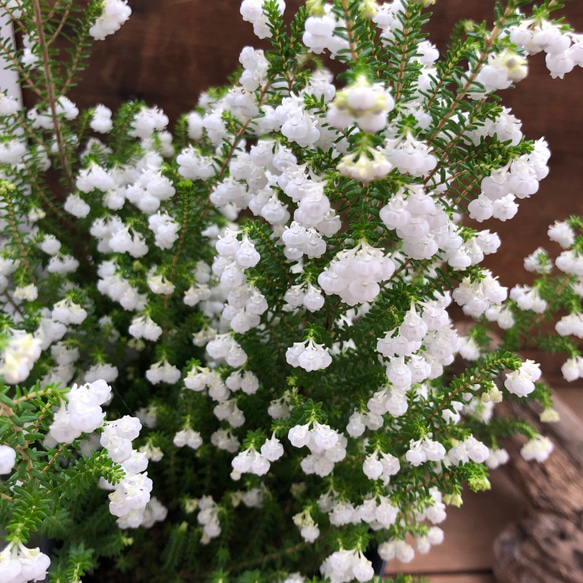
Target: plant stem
x,y
54,458
9,55
13,303
403,59
472,76
271,556
60,27
51,94
349,30
79,43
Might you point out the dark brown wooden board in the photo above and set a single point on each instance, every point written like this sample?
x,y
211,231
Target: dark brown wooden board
x,y
461,578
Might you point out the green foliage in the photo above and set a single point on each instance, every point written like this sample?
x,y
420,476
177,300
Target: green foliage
x,y
222,174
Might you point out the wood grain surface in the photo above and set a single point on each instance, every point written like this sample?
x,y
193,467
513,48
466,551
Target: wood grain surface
x,y
462,578
547,545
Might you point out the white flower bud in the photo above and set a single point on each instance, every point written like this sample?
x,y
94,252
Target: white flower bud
x,y
372,467
7,459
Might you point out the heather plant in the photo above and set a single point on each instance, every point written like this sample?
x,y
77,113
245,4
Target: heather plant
x,y
227,353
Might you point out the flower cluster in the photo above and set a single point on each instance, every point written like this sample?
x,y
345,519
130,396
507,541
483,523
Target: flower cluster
x,y
347,565
250,460
115,13
208,517
19,357
563,49
82,413
130,496
19,564
308,355
326,446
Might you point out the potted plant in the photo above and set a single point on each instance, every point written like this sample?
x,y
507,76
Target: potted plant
x,y
239,330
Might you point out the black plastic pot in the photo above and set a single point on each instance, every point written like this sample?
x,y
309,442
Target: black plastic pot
x,y
379,565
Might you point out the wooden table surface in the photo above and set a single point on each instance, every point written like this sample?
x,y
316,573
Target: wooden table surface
x,y
466,556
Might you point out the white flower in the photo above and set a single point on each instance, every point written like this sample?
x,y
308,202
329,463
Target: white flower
x,y
367,104
94,177
538,449
300,435
132,493
194,126
50,245
160,285
308,355
101,120
152,452
7,459
572,369
396,549
136,463
416,454
163,371
101,371
272,449
188,437
12,152
19,357
521,382
538,261
85,413
27,293
145,327
252,11
570,324
19,564
115,13
561,233
8,105
147,120
246,255
372,467
62,264
68,312
127,240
